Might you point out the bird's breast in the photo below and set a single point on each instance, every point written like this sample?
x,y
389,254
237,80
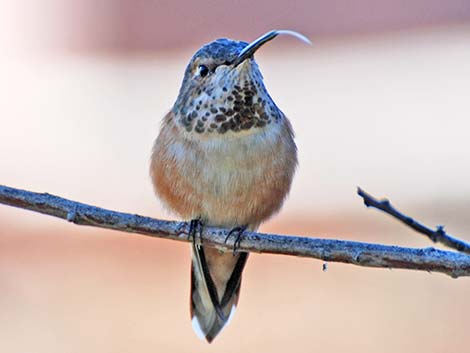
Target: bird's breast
x,y
230,181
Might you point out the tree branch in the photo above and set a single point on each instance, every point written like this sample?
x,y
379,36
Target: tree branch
x,y
437,236
361,254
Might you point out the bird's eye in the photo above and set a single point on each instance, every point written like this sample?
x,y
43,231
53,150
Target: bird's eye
x,y
203,70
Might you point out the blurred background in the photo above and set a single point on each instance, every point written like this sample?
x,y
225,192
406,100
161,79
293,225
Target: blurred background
x,y
381,101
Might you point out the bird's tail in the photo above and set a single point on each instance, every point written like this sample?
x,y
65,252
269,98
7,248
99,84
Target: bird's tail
x,y
215,286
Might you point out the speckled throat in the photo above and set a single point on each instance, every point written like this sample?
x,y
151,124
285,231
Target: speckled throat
x,y
234,100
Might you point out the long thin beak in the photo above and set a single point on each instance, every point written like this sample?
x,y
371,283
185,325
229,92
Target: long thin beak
x,y
250,49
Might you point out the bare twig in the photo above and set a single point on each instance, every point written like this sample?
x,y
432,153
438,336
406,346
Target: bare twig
x,y
362,254
438,236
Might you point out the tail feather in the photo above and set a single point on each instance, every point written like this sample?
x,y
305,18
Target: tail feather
x,y
215,287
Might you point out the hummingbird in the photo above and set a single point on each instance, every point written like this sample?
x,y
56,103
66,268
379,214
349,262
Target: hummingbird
x,y
225,156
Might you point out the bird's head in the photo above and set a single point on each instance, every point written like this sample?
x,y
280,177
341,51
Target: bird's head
x,y
223,90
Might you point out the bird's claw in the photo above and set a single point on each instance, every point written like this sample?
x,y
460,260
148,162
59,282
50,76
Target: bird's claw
x,y
238,232
195,228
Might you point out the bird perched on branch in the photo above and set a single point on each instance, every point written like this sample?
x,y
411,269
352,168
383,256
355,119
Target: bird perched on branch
x,y
225,157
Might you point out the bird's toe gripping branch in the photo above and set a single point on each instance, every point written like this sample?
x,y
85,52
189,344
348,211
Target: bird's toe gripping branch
x,y
238,233
195,231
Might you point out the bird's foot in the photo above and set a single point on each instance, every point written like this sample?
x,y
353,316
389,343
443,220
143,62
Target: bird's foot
x,y
195,227
238,233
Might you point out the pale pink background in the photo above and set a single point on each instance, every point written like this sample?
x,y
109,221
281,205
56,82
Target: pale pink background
x,y
380,100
